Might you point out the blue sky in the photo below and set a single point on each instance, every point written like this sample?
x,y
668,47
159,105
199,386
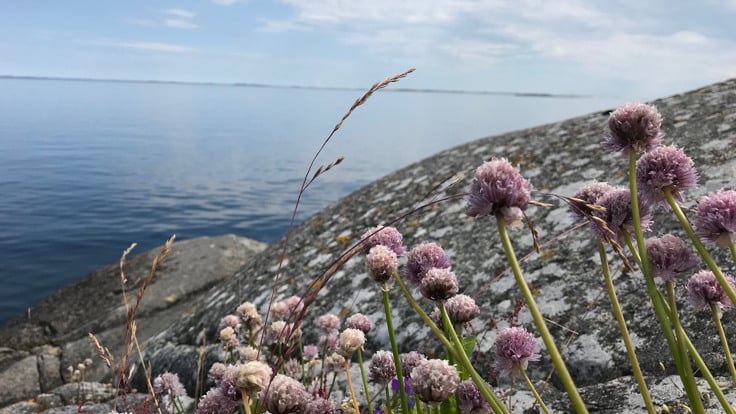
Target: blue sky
x,y
628,48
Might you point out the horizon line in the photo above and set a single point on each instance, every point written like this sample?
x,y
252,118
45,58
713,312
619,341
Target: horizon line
x,y
309,87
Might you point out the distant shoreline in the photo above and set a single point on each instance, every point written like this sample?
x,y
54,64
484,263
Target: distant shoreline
x,y
309,87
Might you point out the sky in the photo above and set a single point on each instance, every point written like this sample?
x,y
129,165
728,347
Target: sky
x,y
640,49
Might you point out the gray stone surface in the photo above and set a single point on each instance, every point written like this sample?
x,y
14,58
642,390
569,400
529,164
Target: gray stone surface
x,y
37,351
19,378
557,158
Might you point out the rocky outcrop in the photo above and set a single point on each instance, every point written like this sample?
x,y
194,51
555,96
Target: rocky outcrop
x,y
558,159
37,350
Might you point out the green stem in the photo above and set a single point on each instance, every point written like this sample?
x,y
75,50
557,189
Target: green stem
x,y
687,367
724,341
483,387
705,372
702,251
534,391
395,350
624,330
388,401
365,382
549,342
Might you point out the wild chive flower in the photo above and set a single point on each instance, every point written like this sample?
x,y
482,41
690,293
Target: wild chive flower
x,y
665,168
409,361
617,214
461,309
351,340
311,352
670,256
359,321
382,263
515,347
471,401
327,343
216,372
498,190
434,380
293,368
216,402
285,395
715,220
384,236
589,195
439,284
231,321
281,332
634,127
253,377
334,363
319,406
288,307
328,323
422,258
703,290
247,353
249,315
382,368
168,384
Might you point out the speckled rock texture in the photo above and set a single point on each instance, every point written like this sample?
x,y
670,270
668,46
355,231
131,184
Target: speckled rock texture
x,y
558,159
35,352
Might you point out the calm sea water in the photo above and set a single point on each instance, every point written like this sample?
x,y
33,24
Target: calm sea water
x,y
86,168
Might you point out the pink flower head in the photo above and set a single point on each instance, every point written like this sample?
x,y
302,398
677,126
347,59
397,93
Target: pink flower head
x,y
670,256
328,323
319,405
351,340
715,220
311,352
409,361
471,401
634,127
168,384
285,395
422,258
515,347
382,263
665,168
439,284
385,236
704,291
359,321
231,321
499,190
252,377
588,195
434,381
461,309
618,216
383,368
216,402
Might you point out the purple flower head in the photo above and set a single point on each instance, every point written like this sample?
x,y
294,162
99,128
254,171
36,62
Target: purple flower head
x,y
280,332
216,402
499,190
715,220
168,384
382,367
293,368
319,406
311,352
588,195
407,389
228,386
359,321
434,380
670,256
328,343
252,377
216,372
328,323
382,263
665,168
285,395
422,258
409,361
385,236
704,291
439,284
231,321
471,401
515,347
461,309
634,127
618,216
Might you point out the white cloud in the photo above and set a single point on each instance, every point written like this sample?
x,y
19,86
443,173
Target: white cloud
x,y
145,46
180,24
182,13
616,40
